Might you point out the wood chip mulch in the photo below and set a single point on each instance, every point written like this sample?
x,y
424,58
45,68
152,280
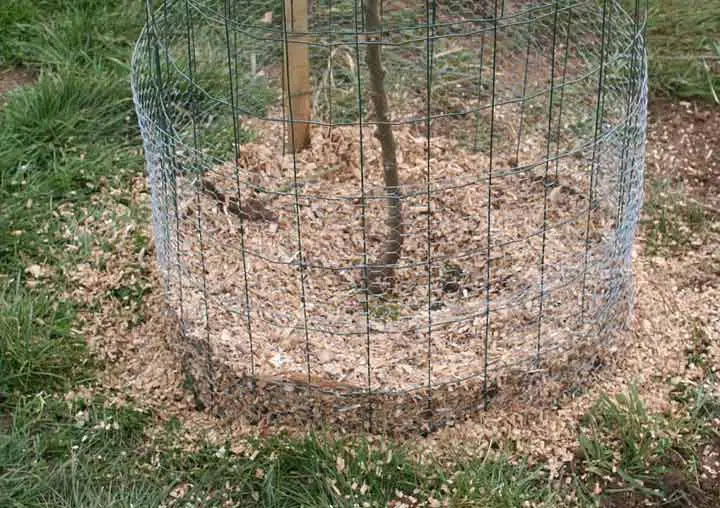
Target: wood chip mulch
x,y
671,310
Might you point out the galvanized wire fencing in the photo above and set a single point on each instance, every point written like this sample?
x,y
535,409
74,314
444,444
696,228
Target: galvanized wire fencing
x,y
386,214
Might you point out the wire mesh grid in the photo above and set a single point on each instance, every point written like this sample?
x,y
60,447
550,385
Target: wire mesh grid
x,y
385,214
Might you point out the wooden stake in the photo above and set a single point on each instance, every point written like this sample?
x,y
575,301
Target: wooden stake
x,y
296,75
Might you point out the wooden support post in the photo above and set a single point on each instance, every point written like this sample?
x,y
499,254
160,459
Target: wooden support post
x,y
296,75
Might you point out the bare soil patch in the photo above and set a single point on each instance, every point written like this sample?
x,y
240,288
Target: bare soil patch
x,y
10,79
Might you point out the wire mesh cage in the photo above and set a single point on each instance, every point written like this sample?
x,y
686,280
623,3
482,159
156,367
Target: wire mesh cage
x,y
386,214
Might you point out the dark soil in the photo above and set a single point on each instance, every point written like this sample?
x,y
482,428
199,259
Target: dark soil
x,y
11,79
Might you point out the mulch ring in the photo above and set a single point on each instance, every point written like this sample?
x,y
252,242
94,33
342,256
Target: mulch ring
x,y
668,314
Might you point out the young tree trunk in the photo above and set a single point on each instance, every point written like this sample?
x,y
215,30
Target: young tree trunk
x,y
380,273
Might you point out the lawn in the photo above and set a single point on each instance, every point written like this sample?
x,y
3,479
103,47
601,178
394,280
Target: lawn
x,y
70,163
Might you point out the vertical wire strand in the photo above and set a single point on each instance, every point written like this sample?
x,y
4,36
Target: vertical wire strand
x,y
488,285
285,87
298,222
236,91
154,58
546,186
199,188
236,156
531,30
430,20
331,46
563,85
357,14
476,136
166,12
593,162
363,27
173,184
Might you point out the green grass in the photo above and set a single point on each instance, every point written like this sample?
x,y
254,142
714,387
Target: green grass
x,y
74,453
70,451
57,139
66,113
60,139
68,33
38,349
309,472
74,126
87,453
635,456
684,44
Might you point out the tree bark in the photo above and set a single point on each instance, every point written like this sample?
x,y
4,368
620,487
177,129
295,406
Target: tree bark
x,y
380,273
